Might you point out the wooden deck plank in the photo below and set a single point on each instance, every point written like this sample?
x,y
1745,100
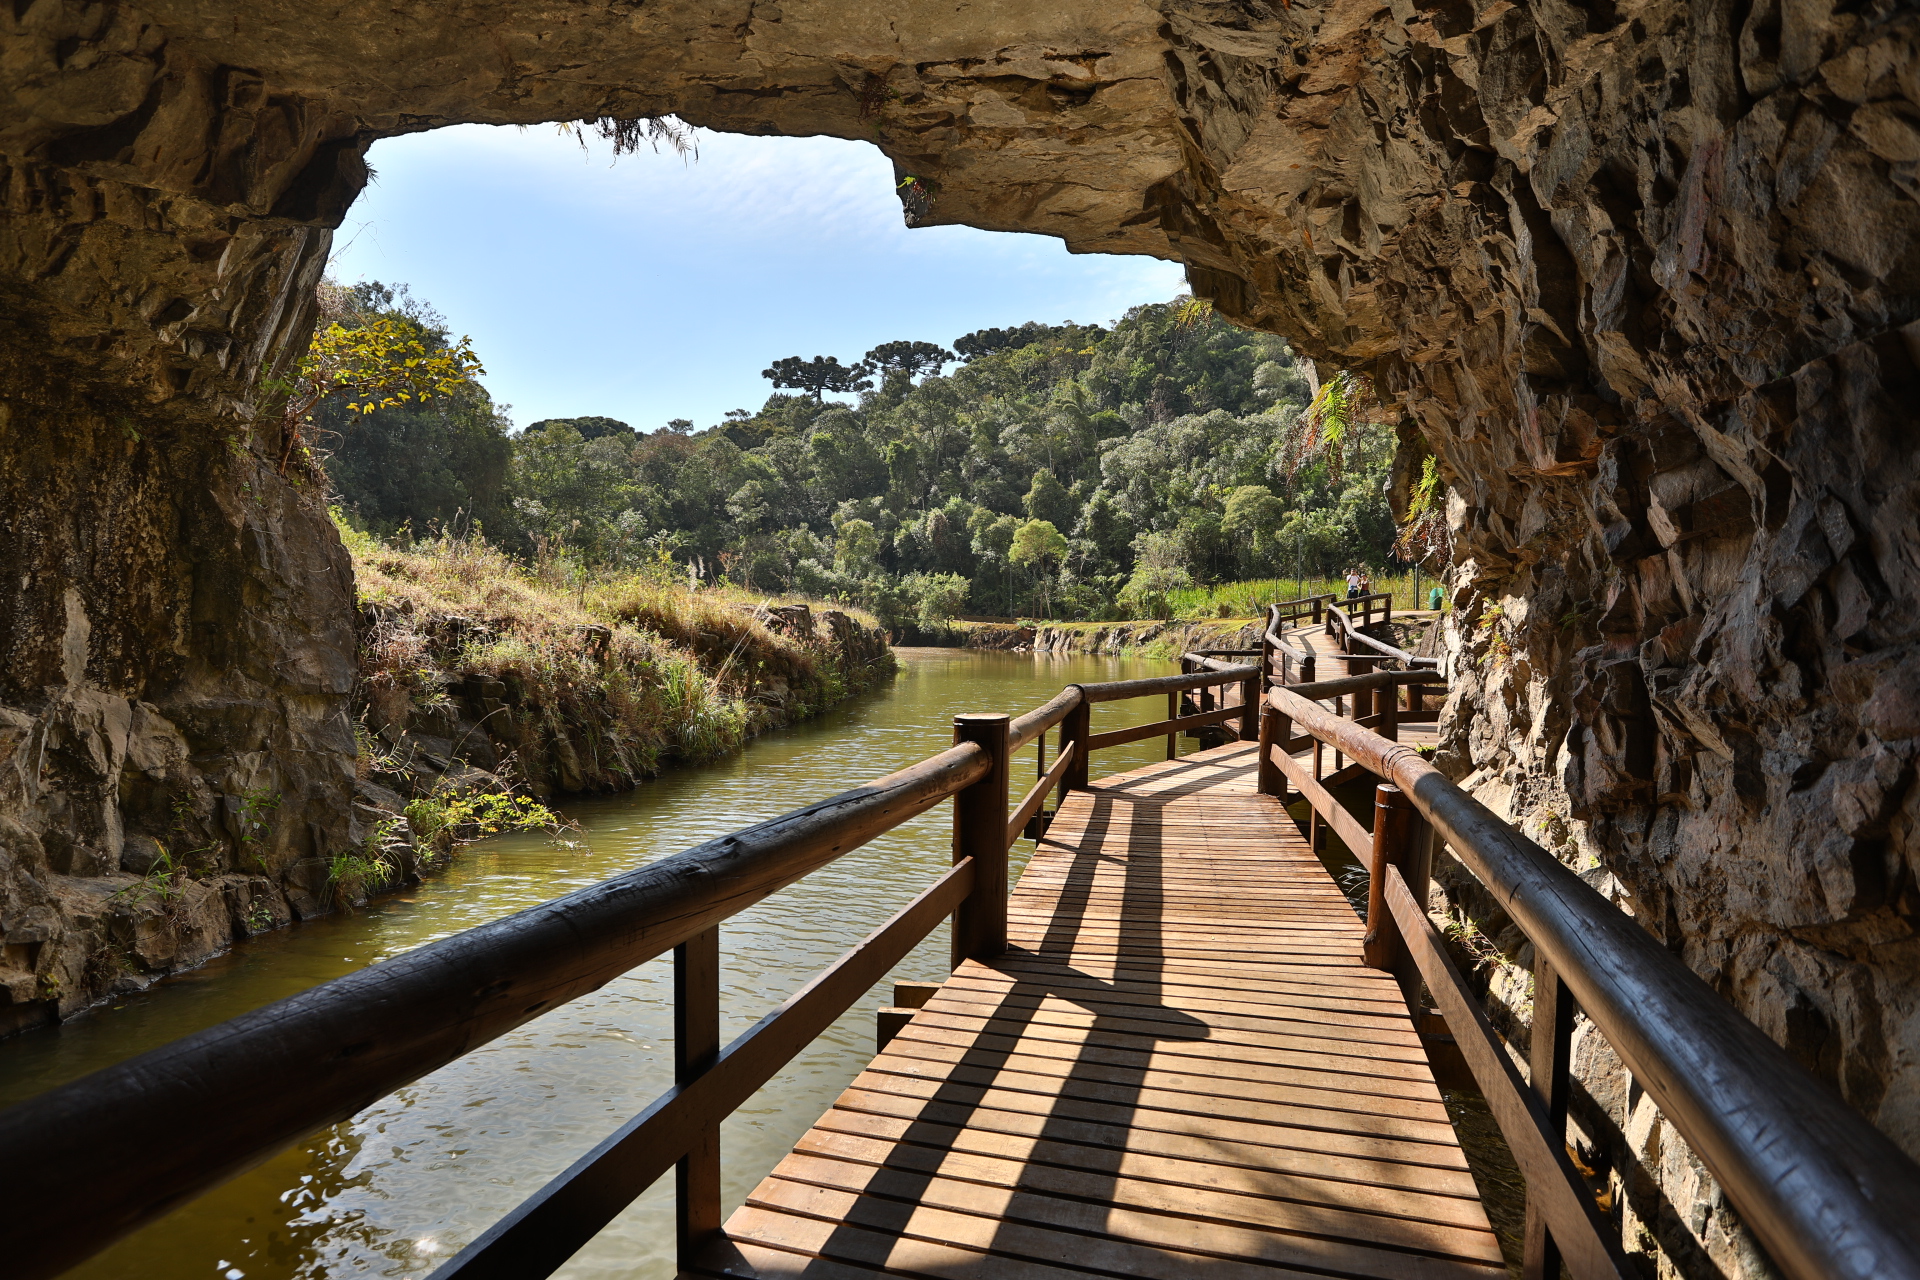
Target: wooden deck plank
x,y
1181,1068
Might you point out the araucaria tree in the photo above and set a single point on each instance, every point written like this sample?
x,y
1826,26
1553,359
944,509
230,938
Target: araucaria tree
x,y
819,375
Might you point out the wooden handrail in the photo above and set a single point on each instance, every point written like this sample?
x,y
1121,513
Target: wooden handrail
x,y
1321,690
551,1225
1120,690
1212,663
1161,728
211,1104
1346,625
1037,797
1827,1194
1824,1191
1024,729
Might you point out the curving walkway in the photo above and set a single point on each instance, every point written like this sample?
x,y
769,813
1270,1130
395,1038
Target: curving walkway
x,y
1179,1069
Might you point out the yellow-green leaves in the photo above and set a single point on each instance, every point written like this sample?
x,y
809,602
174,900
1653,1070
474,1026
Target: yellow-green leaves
x,y
384,363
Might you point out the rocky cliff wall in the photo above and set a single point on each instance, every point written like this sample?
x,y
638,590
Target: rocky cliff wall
x,y
1641,275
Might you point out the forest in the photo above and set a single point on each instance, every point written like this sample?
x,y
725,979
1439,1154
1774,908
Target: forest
x,y
1064,471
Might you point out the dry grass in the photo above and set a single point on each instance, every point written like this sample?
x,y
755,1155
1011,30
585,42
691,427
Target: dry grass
x,y
599,682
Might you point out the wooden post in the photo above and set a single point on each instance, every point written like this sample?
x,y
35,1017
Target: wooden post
x,y
1363,699
1550,1056
980,833
1076,728
1173,739
1250,695
1339,709
1306,669
1386,701
696,1046
1276,727
1396,840
1266,647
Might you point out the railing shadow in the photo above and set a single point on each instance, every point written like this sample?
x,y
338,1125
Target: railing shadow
x,y
1084,1101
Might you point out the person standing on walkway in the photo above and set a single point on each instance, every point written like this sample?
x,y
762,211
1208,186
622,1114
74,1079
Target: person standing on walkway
x,y
1353,583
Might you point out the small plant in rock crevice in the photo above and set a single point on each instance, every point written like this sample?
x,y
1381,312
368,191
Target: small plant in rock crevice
x,y
253,806
353,875
164,883
473,817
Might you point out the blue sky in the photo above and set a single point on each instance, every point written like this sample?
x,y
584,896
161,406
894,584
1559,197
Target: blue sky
x,y
648,288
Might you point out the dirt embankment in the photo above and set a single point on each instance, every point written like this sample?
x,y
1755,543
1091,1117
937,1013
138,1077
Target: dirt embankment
x,y
480,690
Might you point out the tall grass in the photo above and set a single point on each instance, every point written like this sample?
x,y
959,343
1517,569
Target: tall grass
x,y
1250,599
601,681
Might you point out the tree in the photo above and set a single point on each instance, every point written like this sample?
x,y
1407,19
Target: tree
x,y
910,358
1049,500
589,428
371,360
422,465
1160,569
819,375
856,548
1252,520
1039,546
1106,528
1038,543
939,597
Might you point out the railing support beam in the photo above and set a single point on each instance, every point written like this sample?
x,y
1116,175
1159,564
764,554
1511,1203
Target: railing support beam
x,y
1550,1057
1399,840
980,833
1077,728
696,1047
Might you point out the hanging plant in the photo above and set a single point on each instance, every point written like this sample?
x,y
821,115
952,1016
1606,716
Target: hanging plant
x,y
627,135
917,196
1424,536
1326,431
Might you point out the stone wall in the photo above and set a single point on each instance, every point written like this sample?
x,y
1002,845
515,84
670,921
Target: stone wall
x,y
1641,275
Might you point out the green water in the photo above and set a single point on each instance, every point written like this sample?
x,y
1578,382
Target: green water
x,y
407,1182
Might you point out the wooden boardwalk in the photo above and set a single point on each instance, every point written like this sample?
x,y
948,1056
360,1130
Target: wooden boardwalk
x,y
1179,1069
1331,663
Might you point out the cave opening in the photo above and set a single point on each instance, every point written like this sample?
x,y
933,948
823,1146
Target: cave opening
x,y
1643,289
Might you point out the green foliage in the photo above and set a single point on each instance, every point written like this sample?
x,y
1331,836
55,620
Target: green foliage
x,y
909,358
164,883
476,816
420,462
354,875
818,375
1424,535
1174,424
368,355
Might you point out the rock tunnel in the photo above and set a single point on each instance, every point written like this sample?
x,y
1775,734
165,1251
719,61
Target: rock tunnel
x,y
1641,276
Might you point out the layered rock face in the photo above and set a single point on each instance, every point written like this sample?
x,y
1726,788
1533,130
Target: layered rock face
x,y
1641,276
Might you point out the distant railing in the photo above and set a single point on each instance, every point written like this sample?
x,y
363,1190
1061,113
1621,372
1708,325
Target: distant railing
x,y
121,1147
1349,628
1825,1192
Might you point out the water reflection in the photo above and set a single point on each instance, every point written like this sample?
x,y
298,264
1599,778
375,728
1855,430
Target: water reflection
x,y
408,1181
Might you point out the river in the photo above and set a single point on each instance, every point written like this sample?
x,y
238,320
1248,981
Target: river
x,y
404,1184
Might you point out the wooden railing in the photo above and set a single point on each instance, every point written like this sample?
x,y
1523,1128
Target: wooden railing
x,y
1355,641
125,1145
1825,1192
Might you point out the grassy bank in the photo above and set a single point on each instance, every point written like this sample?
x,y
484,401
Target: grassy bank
x,y
471,661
